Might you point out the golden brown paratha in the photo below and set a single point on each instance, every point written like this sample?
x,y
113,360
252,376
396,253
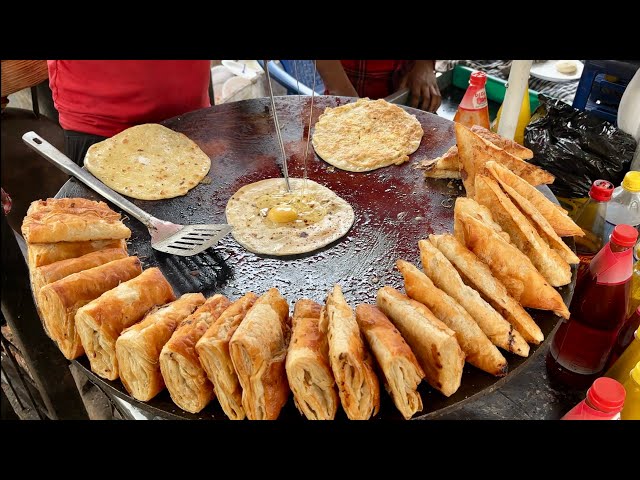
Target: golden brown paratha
x,y
474,151
148,162
366,135
448,165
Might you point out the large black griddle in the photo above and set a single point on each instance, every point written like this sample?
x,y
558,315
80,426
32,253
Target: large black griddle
x,y
394,208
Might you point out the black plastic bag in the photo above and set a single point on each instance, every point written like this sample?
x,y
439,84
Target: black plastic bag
x,y
577,147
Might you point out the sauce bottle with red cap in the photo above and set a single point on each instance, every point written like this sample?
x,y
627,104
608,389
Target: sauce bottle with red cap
x,y
592,220
474,107
604,401
582,344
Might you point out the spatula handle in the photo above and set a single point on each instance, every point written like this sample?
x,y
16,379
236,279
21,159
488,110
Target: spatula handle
x,y
64,163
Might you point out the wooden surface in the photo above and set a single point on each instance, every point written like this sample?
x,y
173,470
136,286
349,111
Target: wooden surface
x,y
19,74
394,208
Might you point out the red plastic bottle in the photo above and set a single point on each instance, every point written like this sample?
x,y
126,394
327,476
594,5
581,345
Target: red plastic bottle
x,y
474,108
581,346
604,401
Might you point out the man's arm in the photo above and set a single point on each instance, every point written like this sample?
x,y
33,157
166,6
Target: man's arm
x,y
422,84
335,79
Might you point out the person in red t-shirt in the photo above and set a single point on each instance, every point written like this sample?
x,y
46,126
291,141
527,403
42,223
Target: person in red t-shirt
x,y
380,78
97,99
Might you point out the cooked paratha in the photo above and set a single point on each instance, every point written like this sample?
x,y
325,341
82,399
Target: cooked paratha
x,y
366,135
148,162
267,219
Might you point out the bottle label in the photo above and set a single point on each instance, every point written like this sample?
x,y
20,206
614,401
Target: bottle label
x,y
585,259
583,411
612,268
480,99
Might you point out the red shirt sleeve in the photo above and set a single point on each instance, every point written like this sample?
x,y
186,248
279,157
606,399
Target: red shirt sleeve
x,y
104,97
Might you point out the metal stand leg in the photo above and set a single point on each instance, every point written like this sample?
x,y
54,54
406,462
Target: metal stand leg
x,y
34,102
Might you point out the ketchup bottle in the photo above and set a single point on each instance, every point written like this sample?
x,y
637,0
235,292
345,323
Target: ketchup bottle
x,y
474,108
604,401
581,346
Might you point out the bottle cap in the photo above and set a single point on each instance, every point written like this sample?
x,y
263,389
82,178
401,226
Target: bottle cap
x,y
601,190
635,373
478,78
606,395
631,181
624,235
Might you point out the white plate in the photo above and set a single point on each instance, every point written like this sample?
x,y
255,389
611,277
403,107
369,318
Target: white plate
x,y
547,71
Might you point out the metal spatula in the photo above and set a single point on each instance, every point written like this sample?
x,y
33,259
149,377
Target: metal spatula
x,y
183,240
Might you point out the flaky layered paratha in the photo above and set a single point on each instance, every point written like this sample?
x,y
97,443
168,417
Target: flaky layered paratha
x,y
267,219
366,135
148,162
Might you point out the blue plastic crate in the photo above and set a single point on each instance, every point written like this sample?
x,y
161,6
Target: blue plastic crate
x,y
601,87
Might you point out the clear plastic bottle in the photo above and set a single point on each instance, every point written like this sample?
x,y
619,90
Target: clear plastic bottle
x,y
631,409
624,206
591,219
474,108
604,401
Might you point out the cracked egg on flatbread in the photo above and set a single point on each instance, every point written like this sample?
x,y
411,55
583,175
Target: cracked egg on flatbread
x,y
267,219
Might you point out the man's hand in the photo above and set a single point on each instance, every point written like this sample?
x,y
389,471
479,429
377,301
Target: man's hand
x,y
422,85
335,79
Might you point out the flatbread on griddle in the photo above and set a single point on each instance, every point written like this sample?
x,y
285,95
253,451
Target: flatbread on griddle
x,y
474,151
522,233
254,231
511,267
448,165
539,222
148,162
555,215
366,135
468,206
478,275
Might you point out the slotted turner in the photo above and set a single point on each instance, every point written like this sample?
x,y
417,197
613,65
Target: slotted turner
x,y
183,240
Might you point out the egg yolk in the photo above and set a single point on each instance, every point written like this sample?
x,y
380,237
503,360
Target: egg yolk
x,y
296,209
282,214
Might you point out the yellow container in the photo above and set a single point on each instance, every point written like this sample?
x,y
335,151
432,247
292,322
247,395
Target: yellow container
x,y
524,117
631,181
631,409
621,369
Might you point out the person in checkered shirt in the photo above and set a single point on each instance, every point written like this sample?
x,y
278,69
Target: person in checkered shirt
x,y
380,78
